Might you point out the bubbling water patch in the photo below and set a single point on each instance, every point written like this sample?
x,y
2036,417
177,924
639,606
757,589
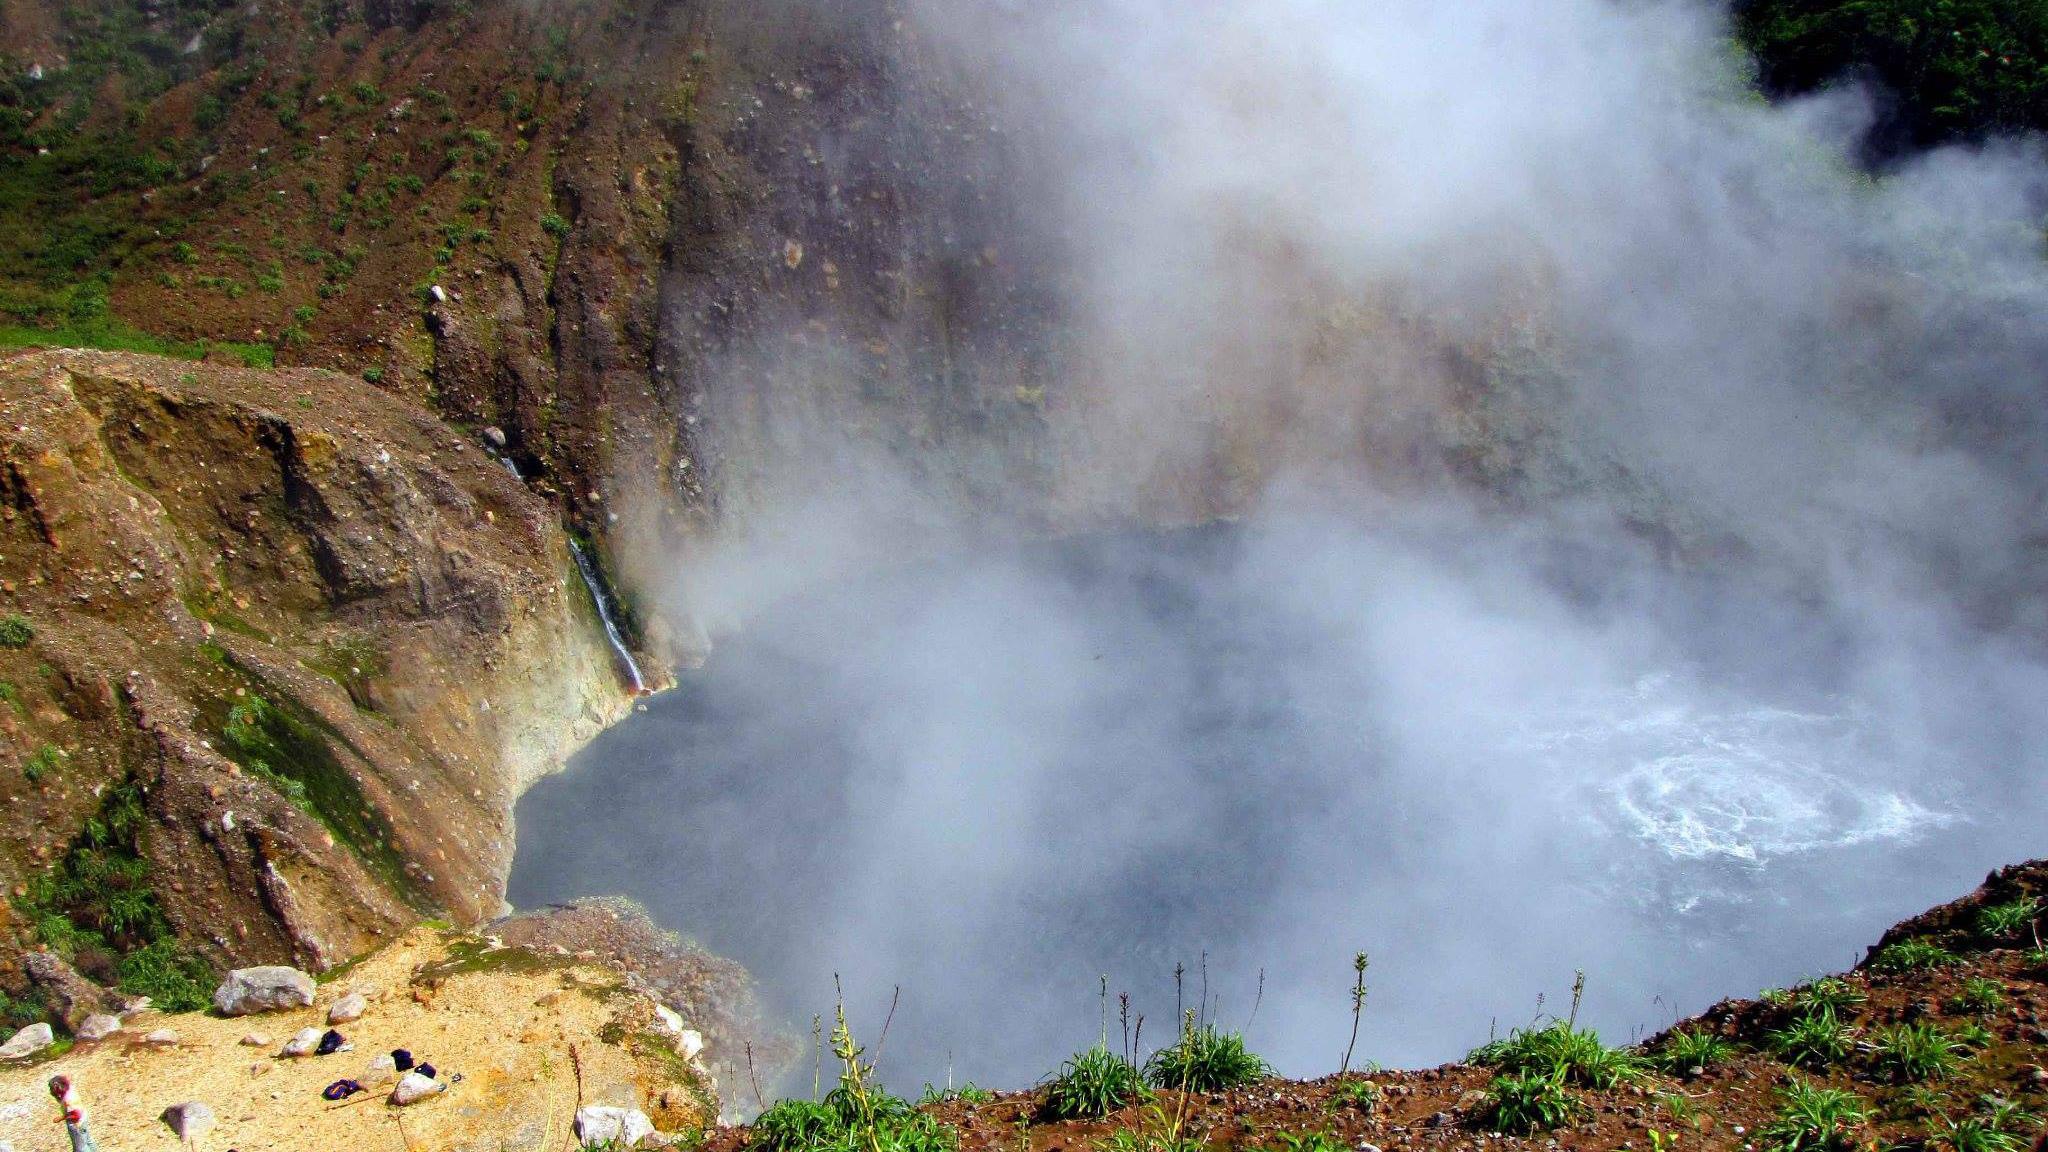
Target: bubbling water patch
x,y
995,779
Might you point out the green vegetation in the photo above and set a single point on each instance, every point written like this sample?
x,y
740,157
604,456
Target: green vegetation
x,y
1815,1119
110,336
1306,1142
1522,1103
856,1116
1971,1134
1914,1052
1979,994
1814,1040
1205,1060
2008,921
968,1093
1909,955
1092,1085
96,909
1692,1051
45,761
1959,69
1358,1095
1558,1049
15,632
1830,993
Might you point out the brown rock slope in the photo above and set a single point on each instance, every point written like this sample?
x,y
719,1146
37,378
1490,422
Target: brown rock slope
x,y
279,653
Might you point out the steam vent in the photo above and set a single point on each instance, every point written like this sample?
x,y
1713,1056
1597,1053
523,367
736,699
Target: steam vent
x,y
979,576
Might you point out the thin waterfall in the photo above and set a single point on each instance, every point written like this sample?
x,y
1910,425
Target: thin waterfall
x,y
592,581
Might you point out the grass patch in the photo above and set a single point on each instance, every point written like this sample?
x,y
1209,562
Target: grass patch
x,y
1576,1054
44,761
2008,921
1357,1095
1692,1052
1523,1103
856,1116
1205,1060
15,632
113,337
1815,1119
1909,1053
1979,994
1815,1040
1830,993
1971,1134
1913,955
1092,1085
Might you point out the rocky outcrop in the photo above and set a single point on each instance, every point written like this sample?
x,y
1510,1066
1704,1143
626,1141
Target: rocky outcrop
x,y
321,638
272,988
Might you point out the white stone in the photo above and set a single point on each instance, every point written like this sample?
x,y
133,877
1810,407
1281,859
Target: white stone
x,y
28,1042
381,1071
304,1042
256,1040
98,1026
161,1038
597,1124
349,1007
414,1088
272,988
189,1120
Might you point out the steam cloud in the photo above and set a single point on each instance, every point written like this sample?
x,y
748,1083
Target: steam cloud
x,y
1637,567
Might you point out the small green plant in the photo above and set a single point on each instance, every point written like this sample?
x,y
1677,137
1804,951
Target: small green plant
x,y
1979,994
1912,955
1972,1035
1971,1134
1681,1108
1523,1103
1815,1119
1815,1040
1913,1052
1092,1085
2010,920
15,632
1692,1052
1831,993
1358,1095
1576,1054
968,1093
46,760
554,225
1205,1060
856,1116
1776,997
793,1124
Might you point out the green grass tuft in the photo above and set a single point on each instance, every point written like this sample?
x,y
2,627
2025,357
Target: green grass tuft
x,y
1913,1052
1206,1060
1979,994
15,632
1815,1040
1523,1103
1913,955
1692,1051
1092,1085
1815,1119
1557,1048
2008,921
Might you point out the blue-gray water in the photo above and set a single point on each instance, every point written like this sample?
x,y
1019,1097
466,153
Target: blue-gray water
x,y
992,779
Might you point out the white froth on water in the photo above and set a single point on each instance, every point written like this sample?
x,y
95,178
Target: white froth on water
x,y
1732,779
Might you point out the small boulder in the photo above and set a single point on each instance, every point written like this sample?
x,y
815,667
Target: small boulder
x,y
272,988
304,1042
413,1088
382,1070
71,996
600,1124
189,1120
28,1042
97,1027
161,1038
256,1040
349,1007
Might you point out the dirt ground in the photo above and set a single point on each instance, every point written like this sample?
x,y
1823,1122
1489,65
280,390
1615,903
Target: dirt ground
x,y
532,1037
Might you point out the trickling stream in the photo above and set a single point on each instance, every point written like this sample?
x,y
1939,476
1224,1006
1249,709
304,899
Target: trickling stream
x,y
598,597
994,779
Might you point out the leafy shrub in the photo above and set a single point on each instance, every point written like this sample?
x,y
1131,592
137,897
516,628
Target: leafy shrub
x,y
1522,1103
1913,1052
1912,955
1574,1053
15,632
1815,1040
176,979
1092,1085
1815,1119
1206,1060
554,225
1693,1051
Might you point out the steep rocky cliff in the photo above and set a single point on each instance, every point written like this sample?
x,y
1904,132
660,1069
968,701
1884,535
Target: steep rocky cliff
x,y
282,650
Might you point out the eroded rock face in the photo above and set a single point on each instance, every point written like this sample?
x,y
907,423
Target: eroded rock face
x,y
322,639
